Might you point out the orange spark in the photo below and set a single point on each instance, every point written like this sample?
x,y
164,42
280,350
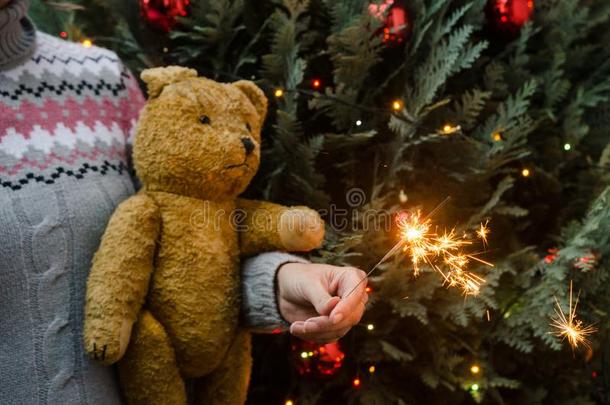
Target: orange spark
x,y
570,327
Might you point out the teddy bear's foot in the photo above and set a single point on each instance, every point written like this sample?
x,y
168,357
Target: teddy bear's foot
x,y
149,373
228,384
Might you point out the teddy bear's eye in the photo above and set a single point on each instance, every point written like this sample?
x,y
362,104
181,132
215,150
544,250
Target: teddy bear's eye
x,y
248,127
204,119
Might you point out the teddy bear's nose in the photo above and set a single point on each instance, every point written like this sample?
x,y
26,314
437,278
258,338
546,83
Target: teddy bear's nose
x,y
248,144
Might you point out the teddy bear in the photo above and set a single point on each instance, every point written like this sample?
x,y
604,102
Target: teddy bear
x,y
163,294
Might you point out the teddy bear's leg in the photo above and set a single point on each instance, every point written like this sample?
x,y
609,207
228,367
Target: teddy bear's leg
x,y
149,373
228,384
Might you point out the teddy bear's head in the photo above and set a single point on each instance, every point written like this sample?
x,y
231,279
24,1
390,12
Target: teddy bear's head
x,y
198,137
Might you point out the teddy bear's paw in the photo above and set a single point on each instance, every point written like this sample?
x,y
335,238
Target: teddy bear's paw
x,y
111,349
99,353
301,229
103,352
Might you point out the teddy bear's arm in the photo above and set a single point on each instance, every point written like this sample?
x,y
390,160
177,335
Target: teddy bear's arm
x,y
119,277
267,226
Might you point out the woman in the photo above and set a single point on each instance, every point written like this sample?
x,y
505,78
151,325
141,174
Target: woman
x,y
66,113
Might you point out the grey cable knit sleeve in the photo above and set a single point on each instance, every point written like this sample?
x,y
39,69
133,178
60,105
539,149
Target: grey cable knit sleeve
x,y
259,300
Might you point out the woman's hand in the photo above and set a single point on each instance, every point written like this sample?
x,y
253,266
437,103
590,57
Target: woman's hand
x,y
309,297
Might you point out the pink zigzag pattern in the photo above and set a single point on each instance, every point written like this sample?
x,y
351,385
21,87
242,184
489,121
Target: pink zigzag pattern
x,y
90,111
52,158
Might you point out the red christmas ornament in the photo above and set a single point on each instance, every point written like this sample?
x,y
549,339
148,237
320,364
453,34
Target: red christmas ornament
x,y
586,263
312,358
550,258
396,23
508,16
161,14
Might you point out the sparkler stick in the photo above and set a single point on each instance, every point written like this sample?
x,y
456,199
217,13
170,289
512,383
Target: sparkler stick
x,y
390,253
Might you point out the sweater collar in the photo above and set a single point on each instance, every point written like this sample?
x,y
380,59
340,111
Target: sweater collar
x,y
17,34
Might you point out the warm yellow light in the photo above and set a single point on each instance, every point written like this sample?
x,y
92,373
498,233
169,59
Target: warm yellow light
x,y
358,123
372,369
475,369
396,105
567,146
289,402
496,136
304,355
370,326
278,93
87,43
525,172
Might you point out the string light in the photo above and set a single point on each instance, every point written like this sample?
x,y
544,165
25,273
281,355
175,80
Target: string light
x,y
358,123
397,105
449,129
368,290
316,83
356,383
402,196
87,43
474,387
370,326
304,355
475,369
567,147
525,172
289,402
278,93
496,136
372,369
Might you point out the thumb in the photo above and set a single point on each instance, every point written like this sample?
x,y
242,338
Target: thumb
x,y
319,297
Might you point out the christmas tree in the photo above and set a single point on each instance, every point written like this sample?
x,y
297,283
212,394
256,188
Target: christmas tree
x,y
381,107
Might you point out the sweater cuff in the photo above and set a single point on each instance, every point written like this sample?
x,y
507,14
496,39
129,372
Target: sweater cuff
x,y
259,299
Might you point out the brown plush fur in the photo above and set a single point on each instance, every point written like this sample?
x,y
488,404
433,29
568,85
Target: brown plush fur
x,y
169,259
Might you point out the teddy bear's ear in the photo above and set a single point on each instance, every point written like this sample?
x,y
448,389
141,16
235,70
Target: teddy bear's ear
x,y
256,97
157,78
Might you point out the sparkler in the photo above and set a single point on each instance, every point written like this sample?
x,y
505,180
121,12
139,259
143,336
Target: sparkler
x,y
443,253
570,327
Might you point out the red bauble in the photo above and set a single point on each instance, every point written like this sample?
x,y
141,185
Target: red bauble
x,y
396,23
508,16
161,14
314,359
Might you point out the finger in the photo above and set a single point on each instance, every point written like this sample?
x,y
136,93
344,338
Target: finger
x,y
322,337
319,297
330,305
327,338
350,280
324,324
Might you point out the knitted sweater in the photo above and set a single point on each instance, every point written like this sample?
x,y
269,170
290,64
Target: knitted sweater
x,y
66,113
